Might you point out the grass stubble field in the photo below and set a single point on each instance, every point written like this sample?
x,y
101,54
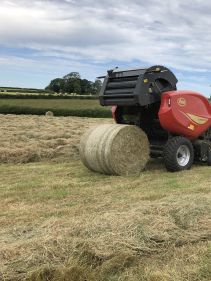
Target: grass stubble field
x,y
60,221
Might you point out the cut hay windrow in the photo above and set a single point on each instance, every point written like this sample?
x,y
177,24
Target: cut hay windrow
x,y
115,149
31,138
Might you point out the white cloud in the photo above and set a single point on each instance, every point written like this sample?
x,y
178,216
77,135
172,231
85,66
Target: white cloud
x,y
173,33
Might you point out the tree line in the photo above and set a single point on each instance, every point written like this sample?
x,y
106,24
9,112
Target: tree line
x,y
72,83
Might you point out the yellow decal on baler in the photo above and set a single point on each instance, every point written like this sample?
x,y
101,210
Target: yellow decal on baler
x,y
197,119
181,102
191,127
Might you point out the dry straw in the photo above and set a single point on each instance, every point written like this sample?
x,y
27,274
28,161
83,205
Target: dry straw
x,y
115,149
31,138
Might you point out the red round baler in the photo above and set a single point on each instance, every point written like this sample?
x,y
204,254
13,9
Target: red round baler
x,y
177,123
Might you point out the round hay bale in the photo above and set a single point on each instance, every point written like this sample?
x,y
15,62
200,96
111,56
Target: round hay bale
x,y
115,149
91,145
49,113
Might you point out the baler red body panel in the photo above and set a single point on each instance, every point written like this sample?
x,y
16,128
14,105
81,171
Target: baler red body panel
x,y
185,113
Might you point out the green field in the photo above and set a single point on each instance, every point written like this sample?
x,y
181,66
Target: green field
x,y
62,222
60,107
16,90
54,103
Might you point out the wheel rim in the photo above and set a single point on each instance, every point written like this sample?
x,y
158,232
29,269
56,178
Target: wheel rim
x,y
183,155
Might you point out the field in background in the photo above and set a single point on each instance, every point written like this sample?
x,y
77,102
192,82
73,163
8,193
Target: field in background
x,y
60,107
31,93
60,221
16,90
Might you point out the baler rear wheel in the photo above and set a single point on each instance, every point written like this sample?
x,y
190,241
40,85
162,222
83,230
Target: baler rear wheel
x,y
178,154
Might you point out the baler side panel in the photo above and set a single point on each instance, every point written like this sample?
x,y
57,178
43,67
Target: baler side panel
x,y
185,113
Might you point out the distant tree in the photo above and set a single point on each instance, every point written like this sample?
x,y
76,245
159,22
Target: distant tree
x,y
68,86
96,87
76,86
86,86
56,85
72,83
72,75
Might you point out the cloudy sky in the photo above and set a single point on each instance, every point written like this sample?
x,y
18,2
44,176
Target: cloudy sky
x,y
44,39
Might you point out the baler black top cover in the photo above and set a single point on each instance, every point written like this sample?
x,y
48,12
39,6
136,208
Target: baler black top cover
x,y
136,86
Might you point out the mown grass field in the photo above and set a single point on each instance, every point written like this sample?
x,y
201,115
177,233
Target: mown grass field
x,y
16,90
60,221
54,103
60,107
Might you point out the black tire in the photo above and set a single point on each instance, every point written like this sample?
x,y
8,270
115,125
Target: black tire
x,y
178,154
209,158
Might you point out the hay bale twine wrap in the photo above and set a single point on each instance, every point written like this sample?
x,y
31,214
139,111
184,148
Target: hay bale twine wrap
x,y
115,149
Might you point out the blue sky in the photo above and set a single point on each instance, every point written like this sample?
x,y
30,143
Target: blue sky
x,y
42,39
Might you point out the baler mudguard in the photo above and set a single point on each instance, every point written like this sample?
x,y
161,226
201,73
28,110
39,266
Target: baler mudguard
x,y
137,86
185,113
